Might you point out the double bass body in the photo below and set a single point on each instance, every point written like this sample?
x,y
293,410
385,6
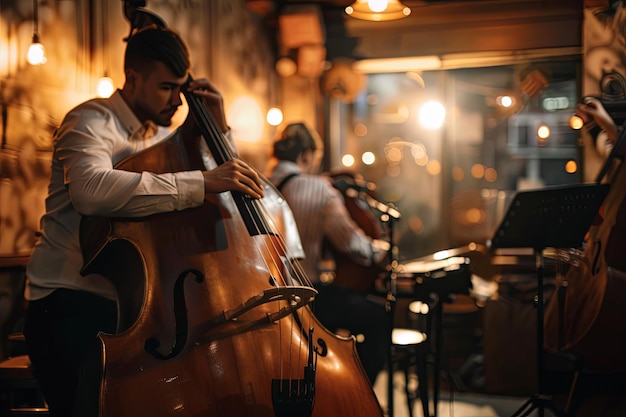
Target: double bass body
x,y
201,333
588,320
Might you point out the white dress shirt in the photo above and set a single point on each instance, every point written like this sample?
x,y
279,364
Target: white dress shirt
x,y
91,140
320,212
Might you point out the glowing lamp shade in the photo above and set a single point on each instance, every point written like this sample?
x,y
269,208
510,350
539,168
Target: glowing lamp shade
x,y
378,10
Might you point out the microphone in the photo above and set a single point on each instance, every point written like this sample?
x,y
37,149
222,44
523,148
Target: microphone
x,y
353,190
359,186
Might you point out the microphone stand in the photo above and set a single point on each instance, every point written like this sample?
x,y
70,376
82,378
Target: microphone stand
x,y
388,216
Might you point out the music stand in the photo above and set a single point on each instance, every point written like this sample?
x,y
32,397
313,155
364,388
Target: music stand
x,y
552,217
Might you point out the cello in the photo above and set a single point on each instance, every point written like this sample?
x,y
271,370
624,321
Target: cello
x,y
586,318
214,319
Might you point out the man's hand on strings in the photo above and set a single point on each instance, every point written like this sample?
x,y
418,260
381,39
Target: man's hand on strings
x,y
203,88
233,175
592,108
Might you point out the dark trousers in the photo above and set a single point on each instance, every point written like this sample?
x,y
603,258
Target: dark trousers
x,y
61,337
341,308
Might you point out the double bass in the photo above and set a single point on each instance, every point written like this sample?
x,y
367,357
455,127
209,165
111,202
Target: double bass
x,y
586,316
214,319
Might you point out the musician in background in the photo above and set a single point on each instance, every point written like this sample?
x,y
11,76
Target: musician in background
x,y
320,214
602,131
66,310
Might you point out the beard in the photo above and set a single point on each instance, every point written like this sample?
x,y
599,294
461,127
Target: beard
x,y
161,118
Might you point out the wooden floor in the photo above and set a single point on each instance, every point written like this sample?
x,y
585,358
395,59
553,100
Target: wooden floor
x,y
601,396
450,405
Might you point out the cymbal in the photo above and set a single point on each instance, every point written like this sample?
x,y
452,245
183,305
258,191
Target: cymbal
x,y
449,253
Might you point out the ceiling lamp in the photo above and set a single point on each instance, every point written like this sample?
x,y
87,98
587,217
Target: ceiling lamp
x,y
378,10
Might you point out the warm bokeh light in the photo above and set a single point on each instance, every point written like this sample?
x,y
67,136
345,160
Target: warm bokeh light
x,y
105,87
431,115
377,10
416,224
571,166
377,5
474,215
433,167
576,122
491,175
418,151
419,307
286,67
543,132
360,129
274,116
422,161
478,170
368,158
246,120
36,54
347,160
505,101
394,155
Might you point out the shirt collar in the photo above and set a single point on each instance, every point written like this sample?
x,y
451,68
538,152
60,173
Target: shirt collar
x,y
287,167
136,130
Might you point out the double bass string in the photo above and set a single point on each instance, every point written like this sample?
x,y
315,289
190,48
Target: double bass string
x,y
257,211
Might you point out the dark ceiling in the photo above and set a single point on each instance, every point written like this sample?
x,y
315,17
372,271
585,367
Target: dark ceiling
x,y
437,27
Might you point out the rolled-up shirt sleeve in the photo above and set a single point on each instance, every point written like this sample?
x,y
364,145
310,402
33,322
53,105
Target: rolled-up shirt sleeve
x,y
344,233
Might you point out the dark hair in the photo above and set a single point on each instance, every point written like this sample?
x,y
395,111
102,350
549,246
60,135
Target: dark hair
x,y
295,140
153,43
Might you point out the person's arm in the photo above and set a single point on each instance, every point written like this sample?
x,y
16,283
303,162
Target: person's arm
x,y
234,174
87,151
346,236
596,151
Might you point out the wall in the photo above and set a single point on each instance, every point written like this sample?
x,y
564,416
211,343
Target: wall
x,y
83,40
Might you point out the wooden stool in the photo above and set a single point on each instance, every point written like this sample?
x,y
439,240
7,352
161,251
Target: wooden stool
x,y
19,391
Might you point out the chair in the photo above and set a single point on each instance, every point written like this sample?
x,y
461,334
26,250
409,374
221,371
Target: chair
x,y
409,350
19,391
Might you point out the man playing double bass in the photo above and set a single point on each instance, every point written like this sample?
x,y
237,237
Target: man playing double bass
x,y
66,310
320,215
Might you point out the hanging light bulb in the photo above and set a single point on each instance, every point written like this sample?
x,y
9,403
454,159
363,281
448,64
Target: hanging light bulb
x,y
274,116
378,10
105,86
36,54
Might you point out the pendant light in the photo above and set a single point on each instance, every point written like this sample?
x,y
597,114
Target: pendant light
x,y
36,53
105,86
378,10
